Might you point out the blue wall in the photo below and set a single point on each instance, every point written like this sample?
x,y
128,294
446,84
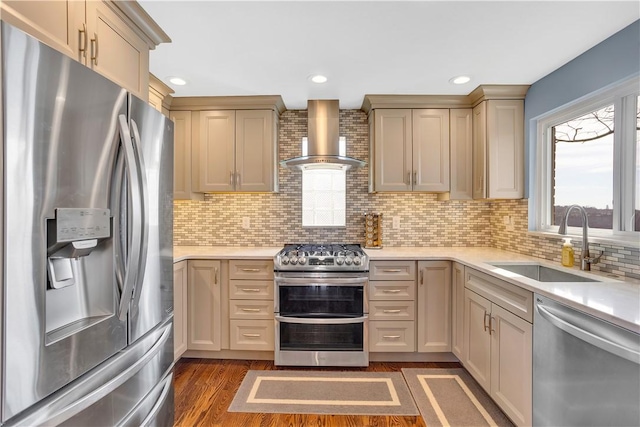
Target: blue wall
x,y
610,61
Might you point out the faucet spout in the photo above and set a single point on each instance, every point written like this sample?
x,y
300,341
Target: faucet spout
x,y
585,258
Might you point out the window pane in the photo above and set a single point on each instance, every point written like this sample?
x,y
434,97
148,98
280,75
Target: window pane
x,y
324,198
583,168
636,217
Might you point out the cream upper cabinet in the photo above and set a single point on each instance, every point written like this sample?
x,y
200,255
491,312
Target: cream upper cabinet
x,y
498,149
103,35
392,145
236,151
115,51
411,150
181,154
59,24
457,310
214,157
434,306
204,305
180,296
498,345
430,150
256,151
461,140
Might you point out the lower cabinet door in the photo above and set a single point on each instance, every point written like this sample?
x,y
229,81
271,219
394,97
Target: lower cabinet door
x,y
392,336
477,351
511,365
204,325
252,335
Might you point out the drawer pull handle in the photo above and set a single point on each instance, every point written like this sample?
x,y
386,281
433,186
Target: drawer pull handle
x,y
251,335
251,270
391,311
485,321
252,310
391,291
392,270
250,290
391,337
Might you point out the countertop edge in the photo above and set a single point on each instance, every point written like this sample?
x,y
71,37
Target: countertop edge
x,y
477,258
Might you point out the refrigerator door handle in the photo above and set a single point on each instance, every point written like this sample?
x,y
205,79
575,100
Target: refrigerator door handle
x,y
118,182
133,257
166,388
144,193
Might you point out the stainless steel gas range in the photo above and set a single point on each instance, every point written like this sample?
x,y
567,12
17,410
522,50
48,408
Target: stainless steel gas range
x,y
321,305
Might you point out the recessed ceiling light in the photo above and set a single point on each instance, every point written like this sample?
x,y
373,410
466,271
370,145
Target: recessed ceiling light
x,y
177,81
318,78
460,80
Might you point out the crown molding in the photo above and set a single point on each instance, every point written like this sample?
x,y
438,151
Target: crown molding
x,y
254,102
481,93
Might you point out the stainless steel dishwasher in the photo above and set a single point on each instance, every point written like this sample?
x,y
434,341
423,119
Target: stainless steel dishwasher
x,y
586,371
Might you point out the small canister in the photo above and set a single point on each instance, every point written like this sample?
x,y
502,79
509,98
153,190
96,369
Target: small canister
x,y
372,230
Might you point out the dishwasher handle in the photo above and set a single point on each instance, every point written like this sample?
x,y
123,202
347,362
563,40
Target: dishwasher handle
x,y
602,343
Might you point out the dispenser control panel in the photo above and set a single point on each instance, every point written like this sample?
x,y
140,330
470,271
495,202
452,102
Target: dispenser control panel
x,y
74,224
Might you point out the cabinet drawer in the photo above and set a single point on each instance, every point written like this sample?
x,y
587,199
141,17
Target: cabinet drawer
x,y
392,336
392,290
251,335
392,310
251,309
251,269
392,270
251,289
510,297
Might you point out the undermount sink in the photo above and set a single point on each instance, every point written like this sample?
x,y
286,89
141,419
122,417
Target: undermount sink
x,y
543,274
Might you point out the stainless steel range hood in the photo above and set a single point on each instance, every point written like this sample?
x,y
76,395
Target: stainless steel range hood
x,y
323,139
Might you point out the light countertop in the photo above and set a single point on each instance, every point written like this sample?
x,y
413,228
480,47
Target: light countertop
x,y
612,298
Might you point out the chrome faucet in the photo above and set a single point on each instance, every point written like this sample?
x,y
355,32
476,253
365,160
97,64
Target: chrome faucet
x,y
585,259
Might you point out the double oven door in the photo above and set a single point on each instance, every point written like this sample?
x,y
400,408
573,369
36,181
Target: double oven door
x,y
321,319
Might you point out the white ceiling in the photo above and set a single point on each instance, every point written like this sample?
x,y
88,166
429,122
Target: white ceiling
x,y
372,47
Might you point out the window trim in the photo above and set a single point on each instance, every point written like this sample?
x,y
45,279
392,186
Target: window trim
x,y
624,96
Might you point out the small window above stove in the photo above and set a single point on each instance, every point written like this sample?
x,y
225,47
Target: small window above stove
x,y
324,196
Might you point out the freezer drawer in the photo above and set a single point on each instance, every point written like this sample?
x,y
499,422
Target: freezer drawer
x,y
130,387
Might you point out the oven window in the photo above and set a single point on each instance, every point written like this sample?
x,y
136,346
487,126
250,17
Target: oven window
x,y
304,337
321,301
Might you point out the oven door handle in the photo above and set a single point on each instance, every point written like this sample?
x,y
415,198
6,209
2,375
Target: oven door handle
x,y
307,281
310,321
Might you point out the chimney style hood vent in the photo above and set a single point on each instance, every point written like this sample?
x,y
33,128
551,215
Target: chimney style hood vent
x,y
323,139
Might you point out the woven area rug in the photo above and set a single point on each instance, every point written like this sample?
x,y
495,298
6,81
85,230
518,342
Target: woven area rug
x,y
451,397
324,392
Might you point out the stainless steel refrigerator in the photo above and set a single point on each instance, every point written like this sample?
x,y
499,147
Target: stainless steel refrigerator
x,y
87,283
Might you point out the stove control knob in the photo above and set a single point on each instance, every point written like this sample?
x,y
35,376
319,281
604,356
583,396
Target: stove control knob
x,y
340,260
293,260
302,260
285,260
356,260
348,260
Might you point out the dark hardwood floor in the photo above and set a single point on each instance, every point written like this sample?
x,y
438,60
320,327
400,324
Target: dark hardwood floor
x,y
204,388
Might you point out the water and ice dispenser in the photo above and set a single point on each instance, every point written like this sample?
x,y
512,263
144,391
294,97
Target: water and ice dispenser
x,y
74,233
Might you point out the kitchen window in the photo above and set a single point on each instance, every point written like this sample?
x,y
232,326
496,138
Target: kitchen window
x,y
324,193
589,155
